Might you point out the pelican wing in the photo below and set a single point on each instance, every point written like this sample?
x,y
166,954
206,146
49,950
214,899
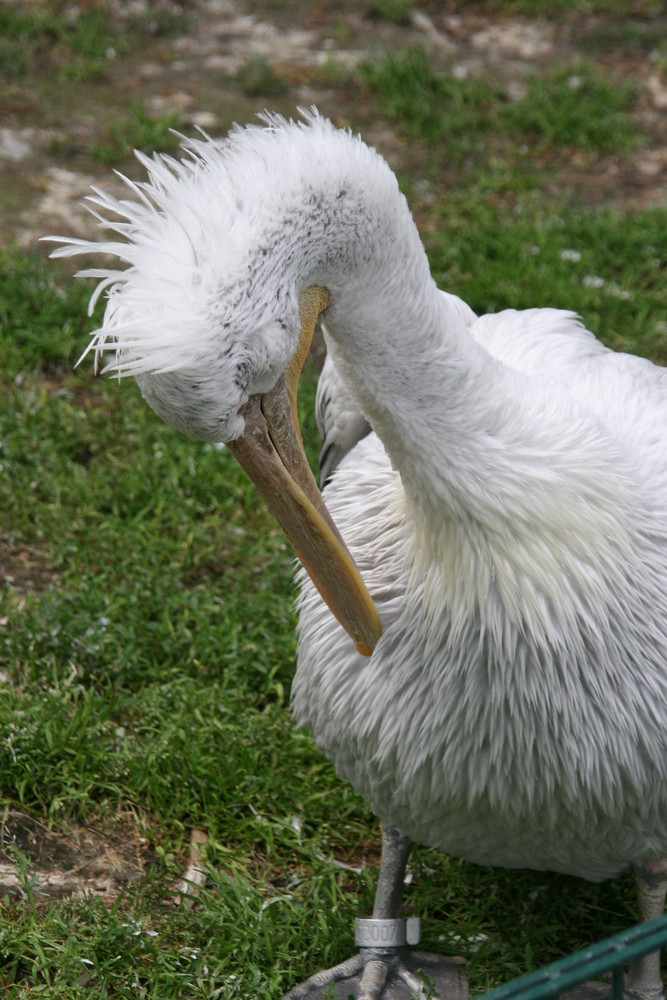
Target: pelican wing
x,y
340,422
627,394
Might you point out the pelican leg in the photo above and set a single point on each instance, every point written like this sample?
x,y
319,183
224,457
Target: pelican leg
x,y
643,980
384,969
369,962
389,893
387,906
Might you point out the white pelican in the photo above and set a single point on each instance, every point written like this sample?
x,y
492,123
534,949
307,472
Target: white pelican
x,y
504,693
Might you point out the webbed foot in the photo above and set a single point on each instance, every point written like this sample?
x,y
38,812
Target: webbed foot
x,y
387,971
405,975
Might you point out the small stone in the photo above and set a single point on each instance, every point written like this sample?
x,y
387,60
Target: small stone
x,y
12,145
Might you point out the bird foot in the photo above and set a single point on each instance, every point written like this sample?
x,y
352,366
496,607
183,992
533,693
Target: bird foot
x,y
387,974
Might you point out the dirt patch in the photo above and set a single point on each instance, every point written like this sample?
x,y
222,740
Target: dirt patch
x,y
84,861
23,567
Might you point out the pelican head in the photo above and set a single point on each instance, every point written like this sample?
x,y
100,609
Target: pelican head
x,y
214,315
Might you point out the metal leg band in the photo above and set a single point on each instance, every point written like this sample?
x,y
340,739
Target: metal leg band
x,y
373,932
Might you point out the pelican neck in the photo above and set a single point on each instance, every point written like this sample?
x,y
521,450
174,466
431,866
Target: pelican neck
x,y
431,392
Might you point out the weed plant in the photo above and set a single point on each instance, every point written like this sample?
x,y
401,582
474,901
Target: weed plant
x,y
398,11
136,129
258,78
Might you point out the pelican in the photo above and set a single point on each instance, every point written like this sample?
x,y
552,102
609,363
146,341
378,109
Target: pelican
x,y
482,614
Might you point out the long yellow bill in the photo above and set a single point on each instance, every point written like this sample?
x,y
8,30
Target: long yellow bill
x,y
271,452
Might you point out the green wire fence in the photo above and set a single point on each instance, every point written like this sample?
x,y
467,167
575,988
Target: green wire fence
x,y
608,956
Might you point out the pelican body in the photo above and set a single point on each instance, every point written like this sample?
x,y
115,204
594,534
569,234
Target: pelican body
x,y
504,522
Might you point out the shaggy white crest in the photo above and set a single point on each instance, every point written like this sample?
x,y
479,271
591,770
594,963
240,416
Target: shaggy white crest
x,y
508,514
217,247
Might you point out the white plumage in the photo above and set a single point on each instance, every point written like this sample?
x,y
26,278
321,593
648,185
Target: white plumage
x,y
508,513
526,650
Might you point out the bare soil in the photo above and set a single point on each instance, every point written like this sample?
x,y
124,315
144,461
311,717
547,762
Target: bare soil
x,y
83,861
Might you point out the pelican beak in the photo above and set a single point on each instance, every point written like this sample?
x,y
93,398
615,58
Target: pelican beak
x,y
271,452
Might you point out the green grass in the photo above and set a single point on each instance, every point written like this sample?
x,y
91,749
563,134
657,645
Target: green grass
x,y
433,105
136,129
555,9
615,281
146,619
77,42
397,11
574,105
632,35
258,78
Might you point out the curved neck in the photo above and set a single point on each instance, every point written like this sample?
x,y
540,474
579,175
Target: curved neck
x,y
420,378
510,484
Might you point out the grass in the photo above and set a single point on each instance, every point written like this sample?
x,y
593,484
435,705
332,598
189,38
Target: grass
x,y
398,11
557,8
630,35
431,104
77,42
605,265
146,619
573,105
258,78
136,129
576,105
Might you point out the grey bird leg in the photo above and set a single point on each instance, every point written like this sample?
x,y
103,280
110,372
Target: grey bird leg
x,y
388,902
375,963
389,893
643,980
